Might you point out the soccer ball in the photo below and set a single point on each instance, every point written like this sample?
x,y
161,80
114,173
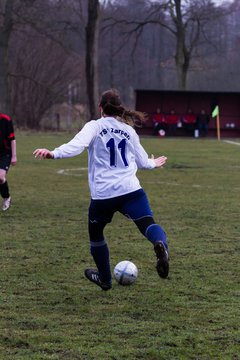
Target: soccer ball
x,y
125,272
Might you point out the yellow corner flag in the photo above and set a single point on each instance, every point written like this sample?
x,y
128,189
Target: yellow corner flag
x,y
215,111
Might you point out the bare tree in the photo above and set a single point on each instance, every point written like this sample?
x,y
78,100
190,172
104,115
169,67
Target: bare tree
x,y
57,21
40,78
37,63
186,21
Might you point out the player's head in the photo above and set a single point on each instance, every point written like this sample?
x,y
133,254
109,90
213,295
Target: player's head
x,y
110,105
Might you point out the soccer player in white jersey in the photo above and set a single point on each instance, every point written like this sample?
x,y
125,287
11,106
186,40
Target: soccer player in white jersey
x,y
114,156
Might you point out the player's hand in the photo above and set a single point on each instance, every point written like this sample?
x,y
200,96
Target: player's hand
x,y
160,161
43,154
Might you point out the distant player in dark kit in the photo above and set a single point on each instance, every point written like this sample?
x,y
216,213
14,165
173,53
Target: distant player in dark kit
x,y
114,155
202,123
8,157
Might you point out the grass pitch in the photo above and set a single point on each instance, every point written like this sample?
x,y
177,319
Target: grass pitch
x,y
48,310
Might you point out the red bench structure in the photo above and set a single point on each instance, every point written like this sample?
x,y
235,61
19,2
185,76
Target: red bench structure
x,y
229,108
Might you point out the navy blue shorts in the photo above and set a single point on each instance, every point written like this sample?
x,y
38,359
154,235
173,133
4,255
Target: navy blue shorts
x,y
5,161
134,205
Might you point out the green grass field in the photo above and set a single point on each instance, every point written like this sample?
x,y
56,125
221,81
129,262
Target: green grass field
x,y
48,310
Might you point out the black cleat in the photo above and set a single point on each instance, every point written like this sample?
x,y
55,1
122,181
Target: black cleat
x,y
162,259
93,275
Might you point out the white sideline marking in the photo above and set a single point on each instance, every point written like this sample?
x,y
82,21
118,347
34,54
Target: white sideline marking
x,y
72,172
232,142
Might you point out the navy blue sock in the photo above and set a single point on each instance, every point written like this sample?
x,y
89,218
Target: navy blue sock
x,y
100,254
155,233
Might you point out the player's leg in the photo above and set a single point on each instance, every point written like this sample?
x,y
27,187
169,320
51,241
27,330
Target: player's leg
x,y
100,253
154,233
138,209
4,189
100,213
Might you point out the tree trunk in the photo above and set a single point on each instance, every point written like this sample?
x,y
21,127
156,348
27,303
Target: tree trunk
x,y
92,35
181,56
5,31
182,62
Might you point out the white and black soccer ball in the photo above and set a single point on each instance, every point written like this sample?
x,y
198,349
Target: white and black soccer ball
x,y
125,272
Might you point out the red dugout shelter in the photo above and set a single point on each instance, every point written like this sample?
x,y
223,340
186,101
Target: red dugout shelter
x,y
229,108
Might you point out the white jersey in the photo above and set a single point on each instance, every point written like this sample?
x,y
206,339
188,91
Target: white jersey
x,y
114,155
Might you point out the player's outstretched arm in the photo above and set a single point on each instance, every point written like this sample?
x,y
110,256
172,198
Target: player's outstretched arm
x,y
160,161
43,154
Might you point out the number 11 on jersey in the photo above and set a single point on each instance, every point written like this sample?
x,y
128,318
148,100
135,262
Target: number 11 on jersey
x,y
113,150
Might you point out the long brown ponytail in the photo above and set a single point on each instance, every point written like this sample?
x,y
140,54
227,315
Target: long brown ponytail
x,y
111,105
